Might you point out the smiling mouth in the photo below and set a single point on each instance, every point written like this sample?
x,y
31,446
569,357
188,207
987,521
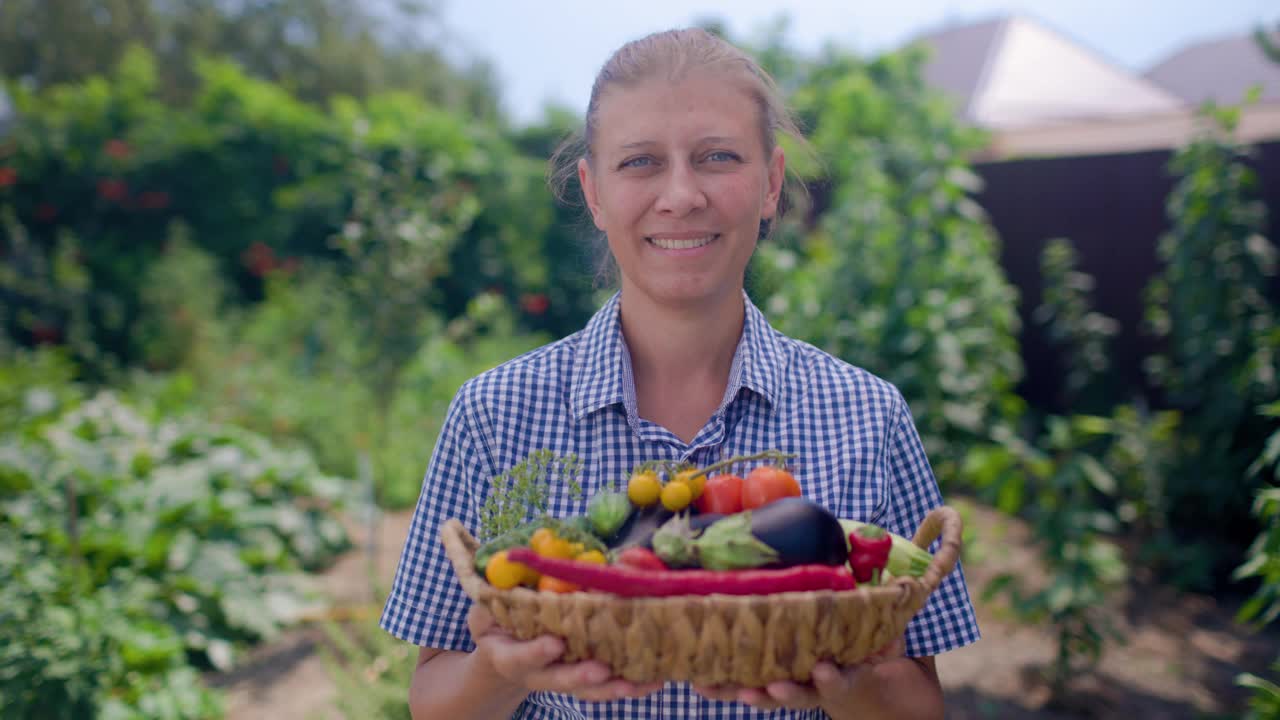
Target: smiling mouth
x,y
690,244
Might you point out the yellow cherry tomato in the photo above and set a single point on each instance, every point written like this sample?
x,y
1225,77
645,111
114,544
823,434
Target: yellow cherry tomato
x,y
502,573
695,480
542,539
591,556
644,488
557,548
676,496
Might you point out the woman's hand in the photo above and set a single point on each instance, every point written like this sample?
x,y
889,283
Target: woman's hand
x,y
832,687
533,664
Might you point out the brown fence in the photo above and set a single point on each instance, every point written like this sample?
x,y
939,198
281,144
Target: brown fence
x,y
1112,208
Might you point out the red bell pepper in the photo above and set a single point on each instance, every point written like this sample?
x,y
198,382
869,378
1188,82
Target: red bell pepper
x,y
869,548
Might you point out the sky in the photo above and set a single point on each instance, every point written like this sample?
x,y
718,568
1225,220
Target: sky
x,y
549,50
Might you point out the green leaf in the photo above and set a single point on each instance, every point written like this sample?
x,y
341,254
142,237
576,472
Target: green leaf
x,y
1098,476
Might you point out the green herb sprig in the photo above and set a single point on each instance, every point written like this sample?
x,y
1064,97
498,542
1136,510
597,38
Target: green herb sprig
x,y
521,493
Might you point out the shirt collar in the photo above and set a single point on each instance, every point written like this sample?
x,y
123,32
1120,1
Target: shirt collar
x,y
598,369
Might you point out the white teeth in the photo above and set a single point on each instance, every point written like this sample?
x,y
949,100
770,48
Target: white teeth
x,y
667,244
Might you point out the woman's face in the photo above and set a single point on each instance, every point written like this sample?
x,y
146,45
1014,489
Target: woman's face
x,y
679,182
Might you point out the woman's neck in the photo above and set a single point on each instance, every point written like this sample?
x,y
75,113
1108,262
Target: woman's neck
x,y
681,357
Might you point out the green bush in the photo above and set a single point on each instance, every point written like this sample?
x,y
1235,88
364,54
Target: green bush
x,y
900,272
260,180
137,549
1210,310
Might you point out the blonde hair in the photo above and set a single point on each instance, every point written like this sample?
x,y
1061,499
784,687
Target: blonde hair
x,y
674,53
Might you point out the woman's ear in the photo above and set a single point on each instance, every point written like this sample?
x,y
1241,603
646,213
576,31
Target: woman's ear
x,y
587,182
777,174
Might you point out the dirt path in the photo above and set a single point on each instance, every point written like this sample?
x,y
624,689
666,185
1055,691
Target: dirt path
x,y
1179,659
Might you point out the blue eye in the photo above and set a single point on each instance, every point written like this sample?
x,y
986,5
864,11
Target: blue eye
x,y
722,156
641,161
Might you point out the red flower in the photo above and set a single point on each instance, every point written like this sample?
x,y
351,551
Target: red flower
x,y
8,176
113,189
534,303
153,200
46,334
260,259
46,212
117,149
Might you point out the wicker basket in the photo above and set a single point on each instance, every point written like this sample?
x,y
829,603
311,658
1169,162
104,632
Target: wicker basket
x,y
747,641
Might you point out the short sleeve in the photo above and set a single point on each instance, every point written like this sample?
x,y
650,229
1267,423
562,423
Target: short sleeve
x,y
947,621
427,605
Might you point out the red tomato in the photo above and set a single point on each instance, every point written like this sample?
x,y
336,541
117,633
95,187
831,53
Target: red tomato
x,y
721,494
641,558
766,484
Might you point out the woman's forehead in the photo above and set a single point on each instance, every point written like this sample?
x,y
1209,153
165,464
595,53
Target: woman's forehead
x,y
699,107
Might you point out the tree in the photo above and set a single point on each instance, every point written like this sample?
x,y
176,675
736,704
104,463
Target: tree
x,y
316,49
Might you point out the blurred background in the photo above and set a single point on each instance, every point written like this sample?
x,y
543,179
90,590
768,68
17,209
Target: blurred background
x,y
251,248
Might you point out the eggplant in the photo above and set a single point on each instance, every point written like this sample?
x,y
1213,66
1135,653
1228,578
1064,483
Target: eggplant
x,y
786,532
801,531
639,527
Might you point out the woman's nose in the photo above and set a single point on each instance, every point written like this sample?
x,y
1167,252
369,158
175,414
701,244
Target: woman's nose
x,y
681,192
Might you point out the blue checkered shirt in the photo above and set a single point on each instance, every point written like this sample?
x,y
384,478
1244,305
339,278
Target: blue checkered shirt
x,y
858,454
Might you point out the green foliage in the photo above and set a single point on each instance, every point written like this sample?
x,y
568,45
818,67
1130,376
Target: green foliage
x,y
289,368
316,48
1263,565
1210,310
97,171
371,670
520,492
1071,325
900,275
1063,490
1264,702
134,545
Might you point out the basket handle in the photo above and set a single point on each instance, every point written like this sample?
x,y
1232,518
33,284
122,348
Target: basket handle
x,y
944,522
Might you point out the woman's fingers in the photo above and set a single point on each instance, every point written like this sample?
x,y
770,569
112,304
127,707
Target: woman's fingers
x,y
517,659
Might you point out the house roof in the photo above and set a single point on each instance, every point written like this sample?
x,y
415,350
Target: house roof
x,y
1014,72
1221,70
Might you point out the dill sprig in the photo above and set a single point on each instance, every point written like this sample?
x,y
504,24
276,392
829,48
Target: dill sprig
x,y
521,493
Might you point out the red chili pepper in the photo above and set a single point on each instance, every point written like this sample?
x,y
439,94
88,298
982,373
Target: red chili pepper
x,y
641,558
869,548
633,582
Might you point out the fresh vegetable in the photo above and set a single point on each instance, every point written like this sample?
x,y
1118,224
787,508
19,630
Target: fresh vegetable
x,y
607,511
512,538
643,488
695,479
547,583
869,548
724,545
639,528
641,558
632,582
591,556
676,496
722,494
905,557
577,530
504,574
795,531
766,484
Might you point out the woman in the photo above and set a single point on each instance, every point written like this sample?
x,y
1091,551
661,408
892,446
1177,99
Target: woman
x,y
681,172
